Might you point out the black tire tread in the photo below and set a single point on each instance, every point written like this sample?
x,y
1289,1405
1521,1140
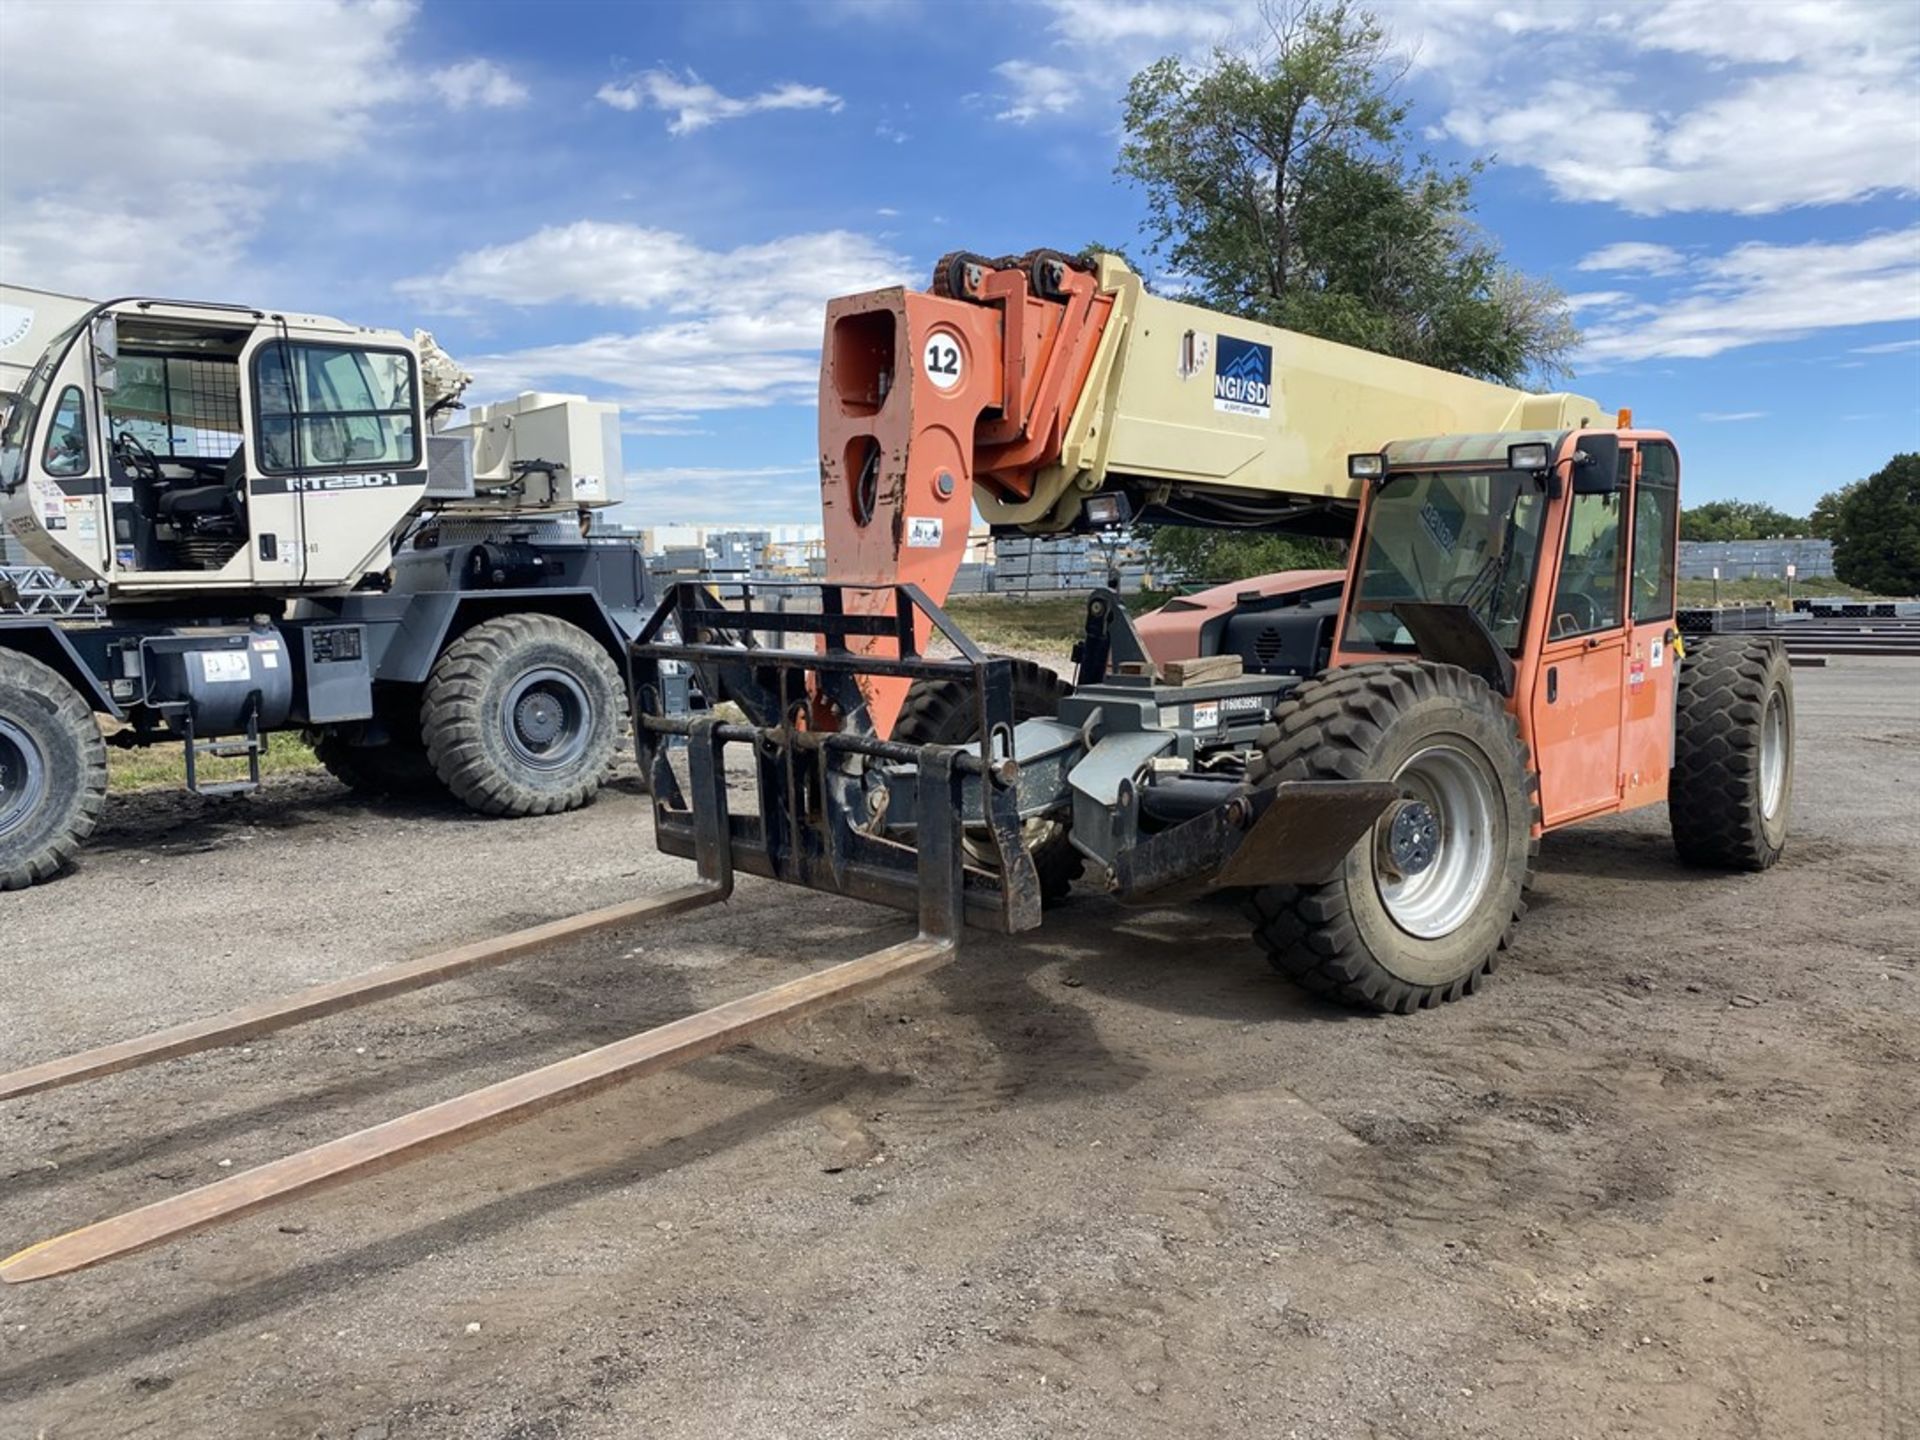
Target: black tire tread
x,y
395,768
1325,730
1712,792
73,720
452,714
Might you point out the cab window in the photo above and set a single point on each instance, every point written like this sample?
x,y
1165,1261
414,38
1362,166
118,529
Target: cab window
x,y
66,450
1588,595
1656,510
333,407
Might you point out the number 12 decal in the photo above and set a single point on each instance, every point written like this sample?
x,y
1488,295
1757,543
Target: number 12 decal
x,y
942,360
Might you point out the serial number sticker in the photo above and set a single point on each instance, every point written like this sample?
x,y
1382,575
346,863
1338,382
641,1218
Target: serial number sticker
x,y
120,494
223,666
923,532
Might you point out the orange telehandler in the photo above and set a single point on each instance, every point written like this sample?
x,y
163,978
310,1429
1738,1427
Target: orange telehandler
x,y
1366,759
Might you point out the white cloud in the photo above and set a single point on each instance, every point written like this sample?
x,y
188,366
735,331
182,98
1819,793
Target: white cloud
x,y
1892,347
695,104
108,187
1161,26
1790,104
1748,106
1598,299
477,82
1758,293
1723,417
1035,90
1634,257
728,329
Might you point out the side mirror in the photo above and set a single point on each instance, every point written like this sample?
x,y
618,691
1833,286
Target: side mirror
x,y
106,354
1596,464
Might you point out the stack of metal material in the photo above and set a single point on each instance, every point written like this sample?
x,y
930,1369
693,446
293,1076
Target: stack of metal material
x,y
1755,559
1024,565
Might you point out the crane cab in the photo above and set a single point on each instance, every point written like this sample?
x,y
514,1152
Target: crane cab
x,y
158,446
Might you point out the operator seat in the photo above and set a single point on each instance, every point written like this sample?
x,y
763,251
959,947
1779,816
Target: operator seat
x,y
192,507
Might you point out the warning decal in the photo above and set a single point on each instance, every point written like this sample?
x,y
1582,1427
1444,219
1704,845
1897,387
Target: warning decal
x,y
221,666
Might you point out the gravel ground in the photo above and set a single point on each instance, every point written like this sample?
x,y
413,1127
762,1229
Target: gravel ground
x,y
1662,1178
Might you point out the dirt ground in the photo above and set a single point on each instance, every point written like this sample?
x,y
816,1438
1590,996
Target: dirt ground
x,y
1661,1178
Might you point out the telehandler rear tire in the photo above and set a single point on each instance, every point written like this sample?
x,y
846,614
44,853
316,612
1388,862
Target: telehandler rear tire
x,y
522,715
1383,934
1732,779
937,712
53,772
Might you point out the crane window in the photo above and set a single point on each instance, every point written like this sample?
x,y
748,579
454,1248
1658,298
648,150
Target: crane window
x,y
1656,511
1458,537
334,407
1588,595
66,452
179,407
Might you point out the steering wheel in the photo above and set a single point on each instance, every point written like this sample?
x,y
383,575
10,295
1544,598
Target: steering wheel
x,y
1581,613
1454,591
136,456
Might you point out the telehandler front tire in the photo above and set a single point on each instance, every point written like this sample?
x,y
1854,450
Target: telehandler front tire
x,y
1421,907
53,772
522,715
1732,779
937,712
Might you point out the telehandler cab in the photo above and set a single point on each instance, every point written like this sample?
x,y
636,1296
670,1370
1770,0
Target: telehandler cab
x,y
1366,759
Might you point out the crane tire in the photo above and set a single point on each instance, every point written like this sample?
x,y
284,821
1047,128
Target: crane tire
x,y
522,715
53,771
1371,937
399,768
1732,780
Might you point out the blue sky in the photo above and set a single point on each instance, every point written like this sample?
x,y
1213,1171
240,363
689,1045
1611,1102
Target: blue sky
x,y
651,202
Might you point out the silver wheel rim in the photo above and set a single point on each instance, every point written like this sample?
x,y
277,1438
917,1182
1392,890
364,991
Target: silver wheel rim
x,y
23,776
1773,755
1458,787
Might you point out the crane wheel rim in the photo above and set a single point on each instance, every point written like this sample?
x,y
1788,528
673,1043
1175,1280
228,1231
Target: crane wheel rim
x,y
1773,755
548,719
23,776
1457,787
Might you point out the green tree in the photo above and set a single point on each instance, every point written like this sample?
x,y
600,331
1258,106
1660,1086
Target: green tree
x,y
1876,533
1826,511
1279,185
1738,520
1184,555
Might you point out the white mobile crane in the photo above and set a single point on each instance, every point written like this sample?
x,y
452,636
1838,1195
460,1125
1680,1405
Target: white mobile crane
x,y
279,537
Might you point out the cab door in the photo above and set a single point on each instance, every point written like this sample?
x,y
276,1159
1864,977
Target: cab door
x,y
1646,730
1580,682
